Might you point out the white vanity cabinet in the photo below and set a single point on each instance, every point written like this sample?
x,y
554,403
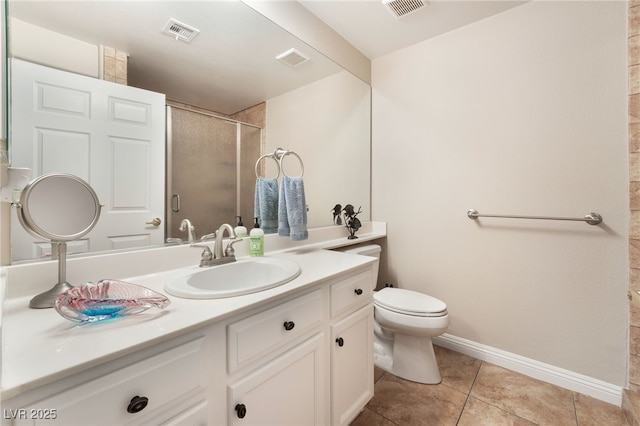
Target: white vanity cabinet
x,y
308,361
276,364
352,346
166,385
302,357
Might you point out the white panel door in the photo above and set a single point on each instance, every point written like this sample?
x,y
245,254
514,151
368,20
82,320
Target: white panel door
x,y
110,135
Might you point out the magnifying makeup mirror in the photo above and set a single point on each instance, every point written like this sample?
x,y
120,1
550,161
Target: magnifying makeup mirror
x,y
59,207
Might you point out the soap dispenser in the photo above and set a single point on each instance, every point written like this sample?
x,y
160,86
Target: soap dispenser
x,y
256,240
240,230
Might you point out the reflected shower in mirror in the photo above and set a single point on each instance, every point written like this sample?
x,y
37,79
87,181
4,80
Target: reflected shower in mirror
x,y
210,177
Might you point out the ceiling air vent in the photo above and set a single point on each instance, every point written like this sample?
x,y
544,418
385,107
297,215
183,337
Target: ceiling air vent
x,y
292,57
400,8
180,31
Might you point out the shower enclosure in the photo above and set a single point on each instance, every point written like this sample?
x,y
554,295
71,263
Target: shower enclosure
x,y
210,171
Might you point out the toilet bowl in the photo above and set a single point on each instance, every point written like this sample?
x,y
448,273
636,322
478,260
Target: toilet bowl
x,y
404,323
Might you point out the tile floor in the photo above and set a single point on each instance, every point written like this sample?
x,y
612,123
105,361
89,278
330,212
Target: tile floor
x,y
474,393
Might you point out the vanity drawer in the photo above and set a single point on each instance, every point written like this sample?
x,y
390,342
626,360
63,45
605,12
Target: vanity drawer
x,y
351,293
256,336
163,379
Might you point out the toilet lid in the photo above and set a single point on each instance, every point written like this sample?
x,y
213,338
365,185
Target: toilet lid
x,y
409,302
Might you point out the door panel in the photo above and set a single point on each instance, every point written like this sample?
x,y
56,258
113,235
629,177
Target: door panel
x,y
108,134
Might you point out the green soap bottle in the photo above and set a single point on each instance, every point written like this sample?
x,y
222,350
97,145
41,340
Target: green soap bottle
x,y
256,240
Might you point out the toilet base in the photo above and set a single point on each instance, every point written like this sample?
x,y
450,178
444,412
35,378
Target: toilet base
x,y
413,359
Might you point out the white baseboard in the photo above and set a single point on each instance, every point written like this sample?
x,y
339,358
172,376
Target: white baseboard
x,y
538,370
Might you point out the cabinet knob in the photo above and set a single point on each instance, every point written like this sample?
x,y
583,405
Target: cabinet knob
x,y
137,404
340,341
241,411
288,325
358,291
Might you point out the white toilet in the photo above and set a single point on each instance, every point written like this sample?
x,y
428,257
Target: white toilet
x,y
405,322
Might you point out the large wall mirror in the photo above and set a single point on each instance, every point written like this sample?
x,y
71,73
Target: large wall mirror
x,y
228,70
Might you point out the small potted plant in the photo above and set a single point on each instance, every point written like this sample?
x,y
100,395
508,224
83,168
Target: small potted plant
x,y
351,221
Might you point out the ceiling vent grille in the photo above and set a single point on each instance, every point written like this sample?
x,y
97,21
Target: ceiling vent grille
x,y
400,8
180,31
292,57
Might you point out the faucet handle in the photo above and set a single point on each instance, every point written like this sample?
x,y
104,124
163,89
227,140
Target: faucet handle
x,y
207,237
229,251
206,253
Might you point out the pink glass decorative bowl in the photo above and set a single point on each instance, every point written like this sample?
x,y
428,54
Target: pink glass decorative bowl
x,y
106,299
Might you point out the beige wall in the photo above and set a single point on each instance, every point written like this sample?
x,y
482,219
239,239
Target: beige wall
x,y
323,131
524,112
634,188
41,46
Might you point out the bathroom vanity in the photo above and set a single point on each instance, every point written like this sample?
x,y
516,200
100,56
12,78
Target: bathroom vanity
x,y
297,354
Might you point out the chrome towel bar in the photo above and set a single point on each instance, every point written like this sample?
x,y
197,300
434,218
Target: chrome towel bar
x,y
590,218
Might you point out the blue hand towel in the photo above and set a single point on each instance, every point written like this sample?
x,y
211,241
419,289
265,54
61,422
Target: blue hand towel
x,y
266,204
292,209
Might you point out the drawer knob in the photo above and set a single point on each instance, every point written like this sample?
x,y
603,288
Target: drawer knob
x,y
241,411
137,404
288,325
358,291
340,341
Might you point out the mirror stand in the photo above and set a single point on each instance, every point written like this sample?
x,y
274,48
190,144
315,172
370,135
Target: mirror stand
x,y
45,300
59,207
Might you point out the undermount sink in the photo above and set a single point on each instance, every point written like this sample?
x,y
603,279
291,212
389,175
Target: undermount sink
x,y
232,279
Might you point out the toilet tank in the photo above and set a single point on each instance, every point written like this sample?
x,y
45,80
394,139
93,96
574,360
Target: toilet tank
x,y
372,250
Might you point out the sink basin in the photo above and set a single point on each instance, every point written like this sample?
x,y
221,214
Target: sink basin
x,y
232,279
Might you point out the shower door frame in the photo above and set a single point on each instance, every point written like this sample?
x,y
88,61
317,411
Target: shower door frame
x,y
169,193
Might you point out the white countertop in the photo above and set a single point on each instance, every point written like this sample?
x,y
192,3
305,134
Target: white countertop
x,y
39,346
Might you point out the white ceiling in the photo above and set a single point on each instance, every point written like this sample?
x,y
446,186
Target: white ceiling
x,y
230,65
372,29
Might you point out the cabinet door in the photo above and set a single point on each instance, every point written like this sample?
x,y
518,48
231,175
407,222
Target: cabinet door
x,y
351,365
165,380
287,391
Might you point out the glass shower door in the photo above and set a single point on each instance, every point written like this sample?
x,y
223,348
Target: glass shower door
x,y
210,176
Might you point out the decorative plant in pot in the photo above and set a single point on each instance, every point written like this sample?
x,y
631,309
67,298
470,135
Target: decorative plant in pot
x,y
351,221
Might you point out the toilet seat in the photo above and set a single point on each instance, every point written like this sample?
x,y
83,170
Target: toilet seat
x,y
408,302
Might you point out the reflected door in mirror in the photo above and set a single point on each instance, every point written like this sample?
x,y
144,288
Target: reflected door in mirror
x,y
108,134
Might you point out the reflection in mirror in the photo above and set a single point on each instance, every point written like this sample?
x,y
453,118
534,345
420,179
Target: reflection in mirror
x,y
61,208
210,175
58,207
228,70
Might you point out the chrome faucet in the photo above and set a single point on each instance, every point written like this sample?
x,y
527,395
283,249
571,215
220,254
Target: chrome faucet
x,y
218,252
186,225
218,256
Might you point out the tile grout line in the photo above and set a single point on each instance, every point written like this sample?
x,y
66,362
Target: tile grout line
x,y
497,406
466,401
575,408
373,411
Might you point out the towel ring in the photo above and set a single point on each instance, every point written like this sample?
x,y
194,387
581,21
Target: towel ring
x,y
283,154
268,156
